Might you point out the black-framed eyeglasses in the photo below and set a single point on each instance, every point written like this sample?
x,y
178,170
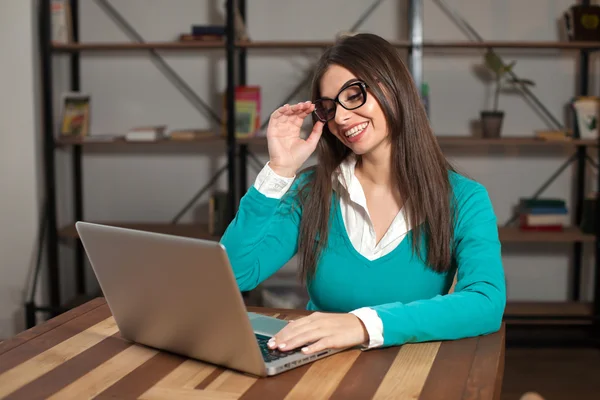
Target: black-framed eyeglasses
x,y
350,97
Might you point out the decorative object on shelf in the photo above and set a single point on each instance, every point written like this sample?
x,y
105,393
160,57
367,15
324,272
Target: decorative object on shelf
x,y
75,114
586,113
582,23
239,26
491,120
543,214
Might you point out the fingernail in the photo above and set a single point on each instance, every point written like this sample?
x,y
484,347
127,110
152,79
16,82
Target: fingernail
x,y
282,346
304,349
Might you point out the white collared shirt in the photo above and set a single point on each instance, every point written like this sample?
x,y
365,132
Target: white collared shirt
x,y
358,226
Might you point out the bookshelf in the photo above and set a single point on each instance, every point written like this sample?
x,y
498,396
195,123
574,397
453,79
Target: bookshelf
x,y
520,313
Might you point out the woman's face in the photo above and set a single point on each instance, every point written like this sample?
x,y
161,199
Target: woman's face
x,y
362,129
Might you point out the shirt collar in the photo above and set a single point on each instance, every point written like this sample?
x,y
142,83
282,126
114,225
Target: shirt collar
x,y
348,182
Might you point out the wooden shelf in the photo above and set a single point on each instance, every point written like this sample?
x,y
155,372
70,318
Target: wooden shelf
x,y
198,45
124,46
568,235
542,313
513,44
289,44
198,231
512,141
119,142
76,47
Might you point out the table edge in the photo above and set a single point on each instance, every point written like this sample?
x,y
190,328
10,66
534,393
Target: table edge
x,y
25,336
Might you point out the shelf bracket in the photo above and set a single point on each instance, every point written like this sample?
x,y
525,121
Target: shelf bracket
x,y
199,194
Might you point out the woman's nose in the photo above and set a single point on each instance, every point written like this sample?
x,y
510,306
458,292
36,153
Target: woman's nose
x,y
341,114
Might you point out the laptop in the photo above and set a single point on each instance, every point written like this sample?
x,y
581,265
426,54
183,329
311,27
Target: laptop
x,y
180,295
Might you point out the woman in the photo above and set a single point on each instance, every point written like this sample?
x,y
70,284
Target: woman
x,y
381,224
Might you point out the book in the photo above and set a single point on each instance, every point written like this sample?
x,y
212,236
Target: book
x,y
247,111
550,214
146,133
60,20
525,203
75,114
544,220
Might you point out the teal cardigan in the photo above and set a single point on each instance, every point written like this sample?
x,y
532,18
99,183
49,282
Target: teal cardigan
x,y
411,299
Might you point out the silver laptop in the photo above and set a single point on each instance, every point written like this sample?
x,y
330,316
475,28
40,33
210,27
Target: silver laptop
x,y
180,295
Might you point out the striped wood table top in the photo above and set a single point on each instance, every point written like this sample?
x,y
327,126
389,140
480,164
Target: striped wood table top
x,y
80,355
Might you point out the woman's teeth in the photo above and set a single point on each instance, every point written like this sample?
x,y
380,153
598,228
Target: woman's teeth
x,y
356,130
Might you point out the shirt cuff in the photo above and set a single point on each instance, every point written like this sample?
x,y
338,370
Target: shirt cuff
x,y
272,185
373,324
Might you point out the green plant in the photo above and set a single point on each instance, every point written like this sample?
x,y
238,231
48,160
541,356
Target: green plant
x,y
503,76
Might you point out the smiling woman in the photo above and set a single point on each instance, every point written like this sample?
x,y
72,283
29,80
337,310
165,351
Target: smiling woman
x,y
381,224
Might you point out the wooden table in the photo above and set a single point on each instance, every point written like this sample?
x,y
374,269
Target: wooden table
x,y
79,355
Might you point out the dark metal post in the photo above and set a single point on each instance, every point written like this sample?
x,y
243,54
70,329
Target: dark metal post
x,y
30,318
242,75
45,45
580,183
596,301
416,39
77,150
231,146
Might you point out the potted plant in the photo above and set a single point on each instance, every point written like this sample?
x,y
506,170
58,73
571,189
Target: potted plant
x,y
503,79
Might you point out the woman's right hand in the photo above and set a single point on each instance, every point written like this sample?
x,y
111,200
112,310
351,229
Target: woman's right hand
x,y
287,150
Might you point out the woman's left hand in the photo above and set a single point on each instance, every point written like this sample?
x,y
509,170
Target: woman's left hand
x,y
321,331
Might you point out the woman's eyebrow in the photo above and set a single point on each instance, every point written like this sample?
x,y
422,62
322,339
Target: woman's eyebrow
x,y
348,82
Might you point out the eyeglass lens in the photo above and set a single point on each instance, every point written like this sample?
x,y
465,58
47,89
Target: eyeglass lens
x,y
350,98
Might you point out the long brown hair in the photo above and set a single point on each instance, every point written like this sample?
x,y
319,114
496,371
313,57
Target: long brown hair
x,y
420,168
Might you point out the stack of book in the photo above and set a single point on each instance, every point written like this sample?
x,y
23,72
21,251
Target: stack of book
x,y
543,214
146,133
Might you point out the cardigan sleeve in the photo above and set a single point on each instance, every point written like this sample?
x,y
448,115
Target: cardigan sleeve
x,y
263,236
477,304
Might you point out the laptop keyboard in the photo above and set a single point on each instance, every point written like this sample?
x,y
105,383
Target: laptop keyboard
x,y
271,354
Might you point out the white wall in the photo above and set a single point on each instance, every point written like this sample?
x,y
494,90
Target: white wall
x,y
18,160
149,185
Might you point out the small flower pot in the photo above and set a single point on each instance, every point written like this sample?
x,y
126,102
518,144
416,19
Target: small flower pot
x,y
491,123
